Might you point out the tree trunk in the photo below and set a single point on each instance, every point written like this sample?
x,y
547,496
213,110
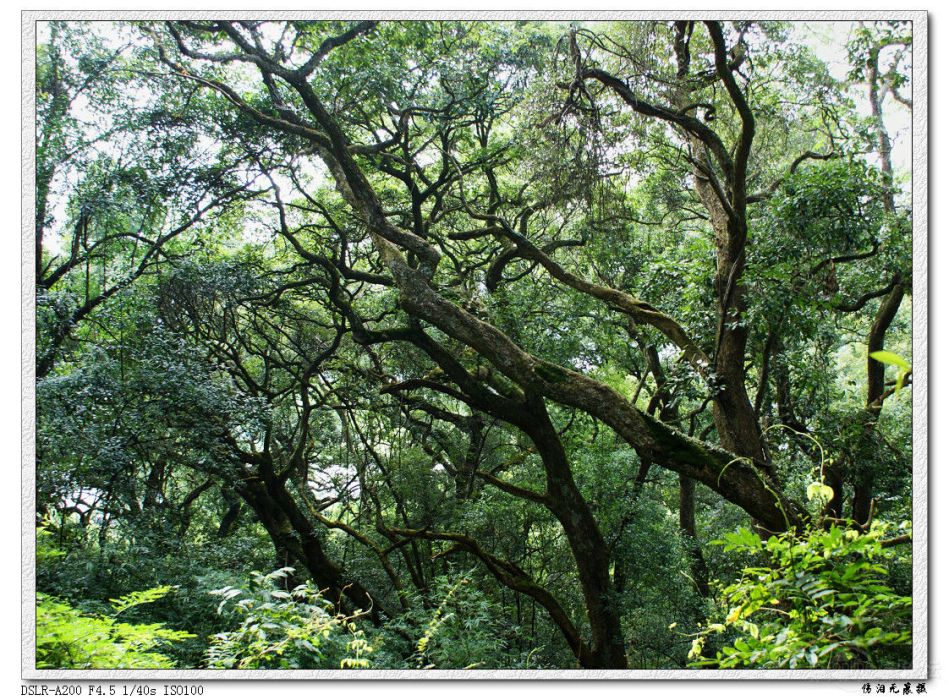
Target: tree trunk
x,y
687,525
297,544
607,648
866,455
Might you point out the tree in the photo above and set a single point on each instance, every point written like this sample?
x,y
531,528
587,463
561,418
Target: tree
x,y
123,180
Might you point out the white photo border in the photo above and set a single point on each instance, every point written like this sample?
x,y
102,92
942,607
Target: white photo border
x,y
920,200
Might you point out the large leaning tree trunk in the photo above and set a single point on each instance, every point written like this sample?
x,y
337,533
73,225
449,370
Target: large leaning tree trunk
x,y
720,173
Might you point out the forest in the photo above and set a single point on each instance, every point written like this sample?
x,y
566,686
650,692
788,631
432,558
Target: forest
x,y
473,345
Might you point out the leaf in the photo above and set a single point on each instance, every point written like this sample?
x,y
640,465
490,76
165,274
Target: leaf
x,y
696,649
742,539
890,358
139,598
820,491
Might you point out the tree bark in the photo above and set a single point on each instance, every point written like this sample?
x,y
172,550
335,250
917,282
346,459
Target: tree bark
x,y
297,544
866,455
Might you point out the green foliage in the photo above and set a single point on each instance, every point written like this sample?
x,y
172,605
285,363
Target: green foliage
x,y
139,598
891,358
47,553
662,591
68,638
465,629
815,600
870,39
88,573
235,373
285,629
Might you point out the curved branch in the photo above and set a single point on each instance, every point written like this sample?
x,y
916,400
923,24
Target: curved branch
x,y
514,578
743,148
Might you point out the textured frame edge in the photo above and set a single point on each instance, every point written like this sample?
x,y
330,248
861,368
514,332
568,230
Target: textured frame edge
x,y
920,334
